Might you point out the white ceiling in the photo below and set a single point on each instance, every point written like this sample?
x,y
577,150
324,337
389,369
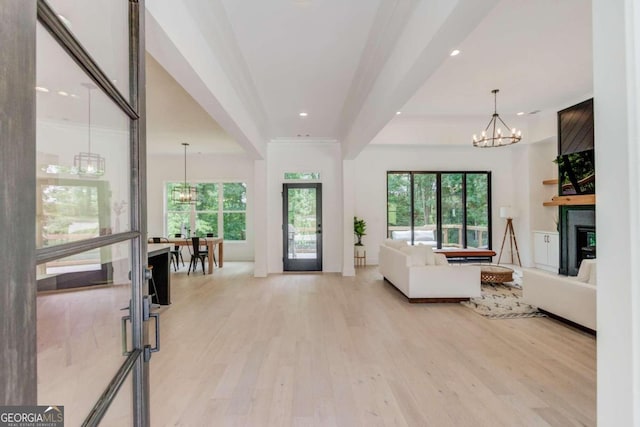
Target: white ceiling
x,y
174,117
351,64
538,53
302,57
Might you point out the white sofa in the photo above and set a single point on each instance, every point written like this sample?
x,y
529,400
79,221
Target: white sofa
x,y
427,278
571,298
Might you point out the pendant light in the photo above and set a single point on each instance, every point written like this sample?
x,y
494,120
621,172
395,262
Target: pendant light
x,y
184,193
88,164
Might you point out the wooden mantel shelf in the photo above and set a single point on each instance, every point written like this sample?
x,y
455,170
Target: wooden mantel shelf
x,y
550,181
584,199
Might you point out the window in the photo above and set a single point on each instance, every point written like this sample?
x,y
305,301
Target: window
x,y
221,210
440,209
302,176
234,207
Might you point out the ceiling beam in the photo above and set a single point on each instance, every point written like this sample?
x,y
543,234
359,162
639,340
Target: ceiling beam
x,y
433,30
174,39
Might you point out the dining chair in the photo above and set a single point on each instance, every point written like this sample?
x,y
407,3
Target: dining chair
x,y
172,257
215,261
177,251
196,254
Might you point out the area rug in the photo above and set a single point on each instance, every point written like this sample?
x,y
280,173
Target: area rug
x,y
499,301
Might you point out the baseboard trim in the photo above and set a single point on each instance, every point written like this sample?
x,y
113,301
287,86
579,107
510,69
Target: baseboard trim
x,y
569,322
426,300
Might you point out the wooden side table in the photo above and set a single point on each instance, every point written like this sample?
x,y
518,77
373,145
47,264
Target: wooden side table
x,y
360,260
490,273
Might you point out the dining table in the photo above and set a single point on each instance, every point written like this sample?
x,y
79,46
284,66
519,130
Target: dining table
x,y
211,243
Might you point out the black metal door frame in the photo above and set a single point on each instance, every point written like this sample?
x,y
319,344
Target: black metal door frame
x,y
301,264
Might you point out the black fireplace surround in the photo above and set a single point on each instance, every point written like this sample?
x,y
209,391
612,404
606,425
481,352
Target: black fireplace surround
x,y
576,142
577,237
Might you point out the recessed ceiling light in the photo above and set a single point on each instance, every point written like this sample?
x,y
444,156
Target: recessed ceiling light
x,y
73,95
398,113
521,113
62,93
42,89
454,52
303,114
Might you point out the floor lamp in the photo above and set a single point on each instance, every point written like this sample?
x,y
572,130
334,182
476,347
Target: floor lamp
x,y
509,213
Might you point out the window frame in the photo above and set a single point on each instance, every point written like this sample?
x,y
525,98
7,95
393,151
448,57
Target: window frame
x,y
193,212
439,214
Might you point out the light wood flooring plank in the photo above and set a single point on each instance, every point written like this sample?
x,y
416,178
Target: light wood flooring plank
x,y
326,350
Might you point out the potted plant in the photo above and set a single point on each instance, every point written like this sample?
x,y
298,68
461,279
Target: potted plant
x,y
359,228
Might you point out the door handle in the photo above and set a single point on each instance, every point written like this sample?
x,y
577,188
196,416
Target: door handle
x,y
319,230
123,320
147,314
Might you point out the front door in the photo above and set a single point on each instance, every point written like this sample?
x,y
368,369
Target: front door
x,y
302,226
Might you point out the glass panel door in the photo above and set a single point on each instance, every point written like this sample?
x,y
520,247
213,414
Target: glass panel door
x,y
452,210
477,210
92,307
79,311
302,227
425,209
399,223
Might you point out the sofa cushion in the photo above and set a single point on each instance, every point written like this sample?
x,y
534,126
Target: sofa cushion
x,y
423,236
418,235
401,235
420,255
397,244
416,258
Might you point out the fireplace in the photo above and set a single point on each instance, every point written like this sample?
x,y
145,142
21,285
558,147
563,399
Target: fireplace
x,y
585,243
577,237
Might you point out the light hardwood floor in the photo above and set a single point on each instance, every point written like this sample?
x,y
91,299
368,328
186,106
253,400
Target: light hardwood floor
x,y
321,349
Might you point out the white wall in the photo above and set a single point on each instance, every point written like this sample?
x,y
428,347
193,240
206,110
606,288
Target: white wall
x,y
201,167
533,163
616,48
541,156
371,192
325,158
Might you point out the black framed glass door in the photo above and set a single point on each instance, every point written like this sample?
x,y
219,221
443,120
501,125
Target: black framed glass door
x,y
90,261
302,226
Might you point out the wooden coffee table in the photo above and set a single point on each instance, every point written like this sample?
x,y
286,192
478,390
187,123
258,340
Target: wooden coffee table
x,y
495,273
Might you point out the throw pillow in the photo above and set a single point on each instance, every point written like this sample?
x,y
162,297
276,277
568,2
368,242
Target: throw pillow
x,y
441,259
592,274
584,272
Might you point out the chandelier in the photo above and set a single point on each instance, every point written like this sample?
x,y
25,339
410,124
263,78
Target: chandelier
x,y
184,193
88,164
496,138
